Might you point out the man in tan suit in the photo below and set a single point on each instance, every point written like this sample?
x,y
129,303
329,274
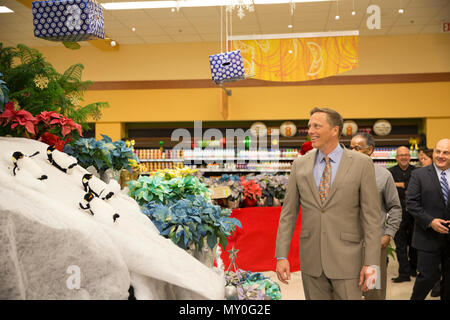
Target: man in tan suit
x,y
337,191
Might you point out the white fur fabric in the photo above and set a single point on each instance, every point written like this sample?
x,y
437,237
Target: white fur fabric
x,y
43,232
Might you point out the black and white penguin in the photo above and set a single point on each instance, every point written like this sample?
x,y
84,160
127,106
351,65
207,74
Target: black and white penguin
x,y
102,211
61,160
24,162
96,186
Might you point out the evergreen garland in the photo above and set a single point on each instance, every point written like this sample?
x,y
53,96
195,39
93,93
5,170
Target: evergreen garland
x,y
36,86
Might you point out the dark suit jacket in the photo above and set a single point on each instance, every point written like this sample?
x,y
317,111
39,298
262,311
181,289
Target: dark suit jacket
x,y
425,202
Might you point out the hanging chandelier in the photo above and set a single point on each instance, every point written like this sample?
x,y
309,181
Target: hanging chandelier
x,y
240,6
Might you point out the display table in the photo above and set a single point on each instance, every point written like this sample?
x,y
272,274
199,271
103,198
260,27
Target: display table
x,y
256,240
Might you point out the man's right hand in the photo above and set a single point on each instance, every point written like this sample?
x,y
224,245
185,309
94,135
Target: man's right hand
x,y
437,225
283,270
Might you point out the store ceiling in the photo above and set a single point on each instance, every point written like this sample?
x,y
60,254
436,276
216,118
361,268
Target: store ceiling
x,y
203,24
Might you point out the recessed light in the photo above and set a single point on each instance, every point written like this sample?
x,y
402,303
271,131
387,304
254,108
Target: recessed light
x,y
113,43
401,10
173,9
353,13
290,51
133,29
290,26
4,9
337,17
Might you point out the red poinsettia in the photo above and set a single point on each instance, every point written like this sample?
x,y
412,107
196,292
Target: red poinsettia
x,y
47,116
18,118
67,125
54,140
307,146
252,190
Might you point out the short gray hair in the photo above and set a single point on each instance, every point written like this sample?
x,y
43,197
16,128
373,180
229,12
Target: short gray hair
x,y
370,141
333,117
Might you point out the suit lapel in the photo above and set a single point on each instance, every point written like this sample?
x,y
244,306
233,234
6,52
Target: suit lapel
x,y
310,175
344,166
435,181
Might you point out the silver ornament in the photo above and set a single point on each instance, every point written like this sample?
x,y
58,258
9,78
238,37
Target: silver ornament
x,y
231,292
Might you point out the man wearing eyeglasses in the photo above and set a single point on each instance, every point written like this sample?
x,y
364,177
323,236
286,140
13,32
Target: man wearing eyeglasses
x,y
406,254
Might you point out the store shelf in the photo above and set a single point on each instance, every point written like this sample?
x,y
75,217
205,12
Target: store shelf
x,y
391,158
161,160
216,159
241,170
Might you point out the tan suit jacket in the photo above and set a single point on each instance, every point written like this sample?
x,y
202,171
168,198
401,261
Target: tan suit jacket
x,y
333,234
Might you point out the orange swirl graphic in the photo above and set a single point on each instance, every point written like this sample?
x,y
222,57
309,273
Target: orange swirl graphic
x,y
298,59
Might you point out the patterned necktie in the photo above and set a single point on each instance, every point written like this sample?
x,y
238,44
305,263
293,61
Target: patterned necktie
x,y
324,186
444,186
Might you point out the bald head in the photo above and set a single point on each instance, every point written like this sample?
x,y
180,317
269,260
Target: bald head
x,y
403,157
441,154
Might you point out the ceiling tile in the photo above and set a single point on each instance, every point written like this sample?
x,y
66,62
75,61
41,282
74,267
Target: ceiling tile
x,y
405,29
153,25
156,39
406,21
123,15
275,9
425,3
129,40
432,28
187,38
180,30
208,12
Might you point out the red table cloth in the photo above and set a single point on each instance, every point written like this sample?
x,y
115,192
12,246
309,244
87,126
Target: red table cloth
x,y
256,240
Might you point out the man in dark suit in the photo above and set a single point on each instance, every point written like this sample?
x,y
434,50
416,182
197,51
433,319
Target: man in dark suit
x,y
428,202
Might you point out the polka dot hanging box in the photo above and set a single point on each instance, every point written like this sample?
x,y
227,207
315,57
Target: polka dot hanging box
x,y
68,20
227,67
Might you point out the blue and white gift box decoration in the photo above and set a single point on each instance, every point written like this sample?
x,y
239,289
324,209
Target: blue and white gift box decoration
x,y
68,20
227,66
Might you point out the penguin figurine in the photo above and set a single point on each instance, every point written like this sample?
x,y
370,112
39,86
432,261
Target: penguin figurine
x,y
96,186
99,209
22,161
59,159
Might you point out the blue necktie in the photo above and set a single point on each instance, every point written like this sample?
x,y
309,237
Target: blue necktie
x,y
444,186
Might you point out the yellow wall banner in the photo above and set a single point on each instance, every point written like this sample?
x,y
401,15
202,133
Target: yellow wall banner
x,y
298,59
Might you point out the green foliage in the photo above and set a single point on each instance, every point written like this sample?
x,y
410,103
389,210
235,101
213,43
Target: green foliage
x,y
71,45
36,86
166,188
390,251
191,220
102,154
3,93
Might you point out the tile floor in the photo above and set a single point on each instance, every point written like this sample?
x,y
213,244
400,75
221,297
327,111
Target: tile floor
x,y
395,291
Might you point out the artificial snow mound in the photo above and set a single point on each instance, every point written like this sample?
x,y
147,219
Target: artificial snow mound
x,y
52,249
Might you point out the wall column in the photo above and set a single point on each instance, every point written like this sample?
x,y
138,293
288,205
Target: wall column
x,y
114,130
436,129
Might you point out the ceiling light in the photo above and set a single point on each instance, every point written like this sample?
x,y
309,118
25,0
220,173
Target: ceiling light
x,y
290,26
337,17
290,51
133,29
189,3
353,13
113,43
4,9
294,35
401,10
173,9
